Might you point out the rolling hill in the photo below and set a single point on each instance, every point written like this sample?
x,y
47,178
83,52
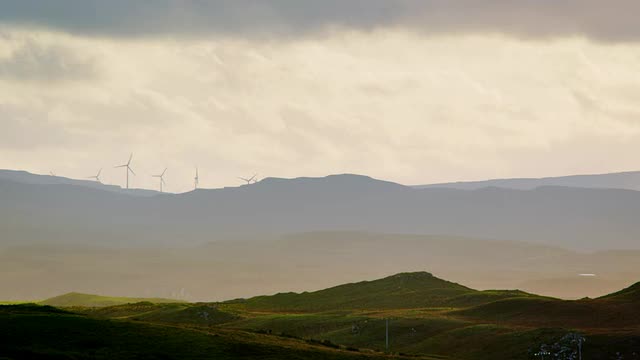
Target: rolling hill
x,y
630,294
401,291
623,180
616,310
427,316
89,300
38,332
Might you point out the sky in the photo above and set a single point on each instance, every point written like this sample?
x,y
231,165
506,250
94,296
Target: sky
x,y
415,92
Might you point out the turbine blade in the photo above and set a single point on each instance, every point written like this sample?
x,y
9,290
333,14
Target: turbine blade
x,y
119,166
131,170
165,170
99,171
130,157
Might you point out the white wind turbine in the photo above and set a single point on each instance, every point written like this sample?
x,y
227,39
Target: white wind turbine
x,y
249,180
196,180
97,177
161,177
128,168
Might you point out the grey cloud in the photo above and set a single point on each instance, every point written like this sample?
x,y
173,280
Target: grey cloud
x,y
35,62
613,20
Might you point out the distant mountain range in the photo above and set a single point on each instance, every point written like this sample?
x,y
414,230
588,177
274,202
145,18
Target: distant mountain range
x,y
36,179
578,218
623,180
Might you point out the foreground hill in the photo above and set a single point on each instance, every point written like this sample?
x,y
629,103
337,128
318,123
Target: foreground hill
x,y
617,310
401,291
89,300
570,217
35,332
630,294
427,317
624,180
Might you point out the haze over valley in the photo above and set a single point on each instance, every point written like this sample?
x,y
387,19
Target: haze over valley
x,y
301,234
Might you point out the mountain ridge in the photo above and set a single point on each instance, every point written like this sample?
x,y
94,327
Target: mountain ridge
x,y
570,217
628,180
25,177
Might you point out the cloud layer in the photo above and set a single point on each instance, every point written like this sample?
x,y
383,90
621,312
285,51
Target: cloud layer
x,y
614,20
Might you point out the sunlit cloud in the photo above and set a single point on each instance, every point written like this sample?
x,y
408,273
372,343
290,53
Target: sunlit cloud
x,y
390,103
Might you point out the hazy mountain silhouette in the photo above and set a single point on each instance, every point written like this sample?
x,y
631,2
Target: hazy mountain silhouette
x,y
578,218
623,180
36,179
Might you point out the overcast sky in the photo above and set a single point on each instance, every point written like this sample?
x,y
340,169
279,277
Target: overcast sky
x,y
409,91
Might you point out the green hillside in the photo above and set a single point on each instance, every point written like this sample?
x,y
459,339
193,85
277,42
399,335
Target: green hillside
x,y
176,313
428,317
89,300
39,332
400,291
632,293
619,309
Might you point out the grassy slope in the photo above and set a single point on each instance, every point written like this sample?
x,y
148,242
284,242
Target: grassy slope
x,y
632,293
457,322
89,300
464,323
33,331
401,291
192,314
617,310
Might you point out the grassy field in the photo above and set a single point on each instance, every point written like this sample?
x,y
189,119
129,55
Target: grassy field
x,y
33,331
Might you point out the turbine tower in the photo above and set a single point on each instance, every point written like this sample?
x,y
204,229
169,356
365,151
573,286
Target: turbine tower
x,y
249,180
161,176
196,180
128,168
97,177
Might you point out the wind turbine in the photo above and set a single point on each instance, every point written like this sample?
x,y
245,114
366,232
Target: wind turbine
x,y
97,177
196,180
52,173
128,168
249,180
161,176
